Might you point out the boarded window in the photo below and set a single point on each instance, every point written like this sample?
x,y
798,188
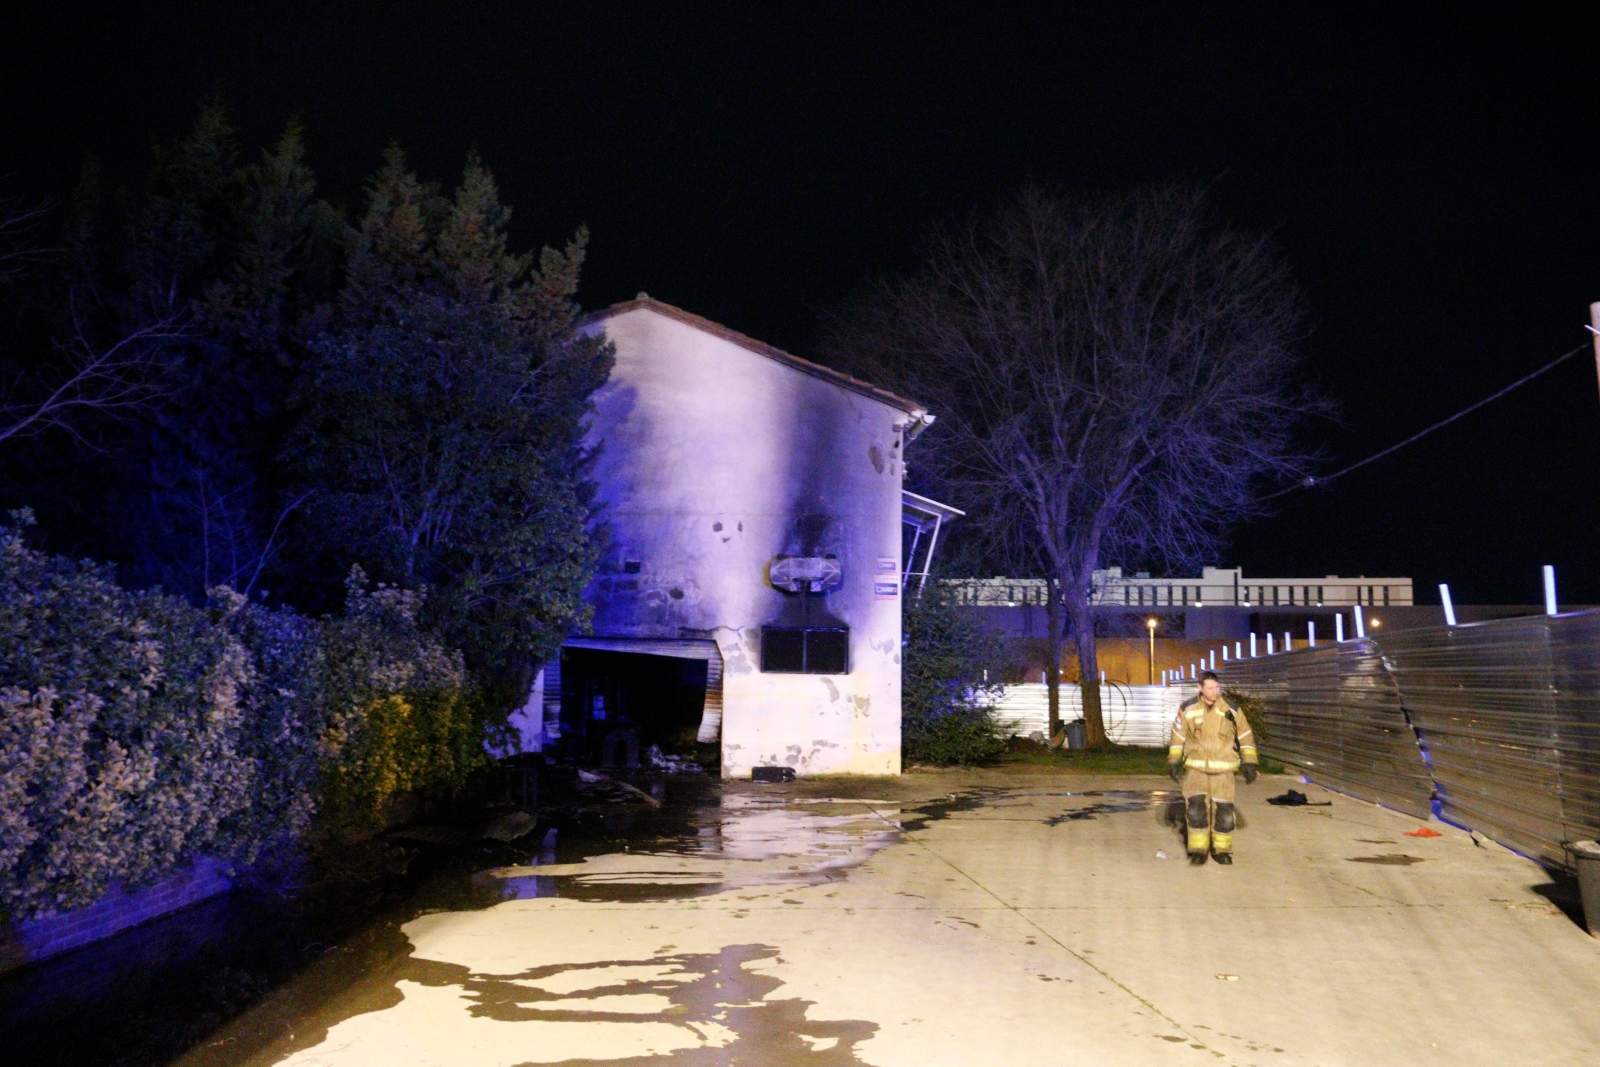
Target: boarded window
x,y
805,650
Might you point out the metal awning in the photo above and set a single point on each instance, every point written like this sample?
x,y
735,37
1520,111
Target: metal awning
x,y
923,515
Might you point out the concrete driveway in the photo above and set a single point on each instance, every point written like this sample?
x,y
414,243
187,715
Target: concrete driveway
x,y
968,918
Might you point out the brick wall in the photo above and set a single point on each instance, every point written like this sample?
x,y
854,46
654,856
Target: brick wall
x,y
38,939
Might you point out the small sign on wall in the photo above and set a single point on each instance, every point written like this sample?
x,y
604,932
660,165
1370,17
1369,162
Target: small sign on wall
x,y
886,590
888,565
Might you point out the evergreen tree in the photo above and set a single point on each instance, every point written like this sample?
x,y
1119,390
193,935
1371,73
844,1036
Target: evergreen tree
x,y
439,422
227,246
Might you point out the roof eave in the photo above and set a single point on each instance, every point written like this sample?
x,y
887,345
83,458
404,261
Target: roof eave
x,y
918,412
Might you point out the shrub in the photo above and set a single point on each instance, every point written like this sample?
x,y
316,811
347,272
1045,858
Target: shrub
x,y
401,711
947,707
284,720
960,735
138,732
119,731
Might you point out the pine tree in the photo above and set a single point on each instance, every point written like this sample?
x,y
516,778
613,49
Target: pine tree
x,y
440,418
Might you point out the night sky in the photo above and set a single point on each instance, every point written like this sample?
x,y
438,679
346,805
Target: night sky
x,y
1432,183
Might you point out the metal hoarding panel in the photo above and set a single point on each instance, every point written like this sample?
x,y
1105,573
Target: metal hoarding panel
x,y
1334,712
1499,720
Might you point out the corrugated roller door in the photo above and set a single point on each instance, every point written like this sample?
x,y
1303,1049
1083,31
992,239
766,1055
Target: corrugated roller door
x,y
677,648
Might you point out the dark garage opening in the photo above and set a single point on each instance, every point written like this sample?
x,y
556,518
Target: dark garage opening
x,y
615,705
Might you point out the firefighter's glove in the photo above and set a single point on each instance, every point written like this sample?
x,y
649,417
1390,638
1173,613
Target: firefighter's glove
x,y
1250,773
1175,769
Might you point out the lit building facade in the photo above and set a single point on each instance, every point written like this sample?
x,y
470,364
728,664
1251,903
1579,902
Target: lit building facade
x,y
749,593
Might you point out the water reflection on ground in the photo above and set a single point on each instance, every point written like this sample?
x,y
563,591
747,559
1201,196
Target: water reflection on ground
x,y
613,929
470,971
724,842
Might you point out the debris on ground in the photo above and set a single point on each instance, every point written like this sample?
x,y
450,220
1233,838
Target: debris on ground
x,y
1296,799
671,763
1423,831
1227,977
613,786
508,827
1161,853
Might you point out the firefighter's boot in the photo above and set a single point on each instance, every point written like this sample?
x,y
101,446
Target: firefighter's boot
x,y
1198,827
1222,832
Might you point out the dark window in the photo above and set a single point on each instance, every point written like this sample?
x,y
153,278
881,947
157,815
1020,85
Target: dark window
x,y
630,566
805,650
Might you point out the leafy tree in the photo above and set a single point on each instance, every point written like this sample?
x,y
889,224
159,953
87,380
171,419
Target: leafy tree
x,y
439,418
1114,380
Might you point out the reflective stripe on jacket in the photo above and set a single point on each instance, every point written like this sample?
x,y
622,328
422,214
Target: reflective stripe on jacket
x,y
1204,737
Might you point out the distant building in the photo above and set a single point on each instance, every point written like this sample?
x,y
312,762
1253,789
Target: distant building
x,y
750,590
1220,603
1216,587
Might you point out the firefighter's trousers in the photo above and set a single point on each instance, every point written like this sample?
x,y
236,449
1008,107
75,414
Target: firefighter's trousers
x,y
1208,812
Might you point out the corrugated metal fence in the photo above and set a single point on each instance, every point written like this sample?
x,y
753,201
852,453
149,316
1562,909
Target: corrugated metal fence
x,y
1134,714
1497,723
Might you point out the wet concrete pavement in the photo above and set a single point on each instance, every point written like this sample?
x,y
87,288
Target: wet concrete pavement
x,y
948,918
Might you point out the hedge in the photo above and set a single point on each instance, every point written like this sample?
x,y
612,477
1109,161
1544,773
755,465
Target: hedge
x,y
138,732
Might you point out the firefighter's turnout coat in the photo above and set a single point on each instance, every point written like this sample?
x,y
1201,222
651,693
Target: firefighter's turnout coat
x,y
1204,739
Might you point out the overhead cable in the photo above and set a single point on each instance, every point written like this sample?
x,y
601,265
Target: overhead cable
x,y
1311,481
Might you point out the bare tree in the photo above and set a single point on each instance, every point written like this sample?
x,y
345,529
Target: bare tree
x,y
83,376
117,378
18,251
1113,379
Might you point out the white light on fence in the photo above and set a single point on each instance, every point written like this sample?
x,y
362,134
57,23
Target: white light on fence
x,y
1213,659
1311,633
1361,626
1238,650
1549,589
1270,649
1338,628
1252,646
1192,672
1102,677
1449,605
1288,643
1224,653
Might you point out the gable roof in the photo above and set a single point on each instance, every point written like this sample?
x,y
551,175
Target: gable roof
x,y
644,302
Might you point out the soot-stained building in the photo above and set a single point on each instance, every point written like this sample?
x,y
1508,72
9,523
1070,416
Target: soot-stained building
x,y
750,590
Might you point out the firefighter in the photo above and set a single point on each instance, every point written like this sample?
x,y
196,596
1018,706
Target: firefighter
x,y
1209,742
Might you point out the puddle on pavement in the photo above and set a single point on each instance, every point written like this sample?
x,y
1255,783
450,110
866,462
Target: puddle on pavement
x,y
722,1001
703,839
715,843
1115,802
997,800
1388,859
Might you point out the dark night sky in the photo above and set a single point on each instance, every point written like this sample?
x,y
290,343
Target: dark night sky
x,y
1432,182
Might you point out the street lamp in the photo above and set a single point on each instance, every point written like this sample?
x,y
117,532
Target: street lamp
x,y
1150,624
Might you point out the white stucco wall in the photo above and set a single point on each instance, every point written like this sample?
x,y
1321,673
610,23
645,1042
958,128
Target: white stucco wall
x,y
709,456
